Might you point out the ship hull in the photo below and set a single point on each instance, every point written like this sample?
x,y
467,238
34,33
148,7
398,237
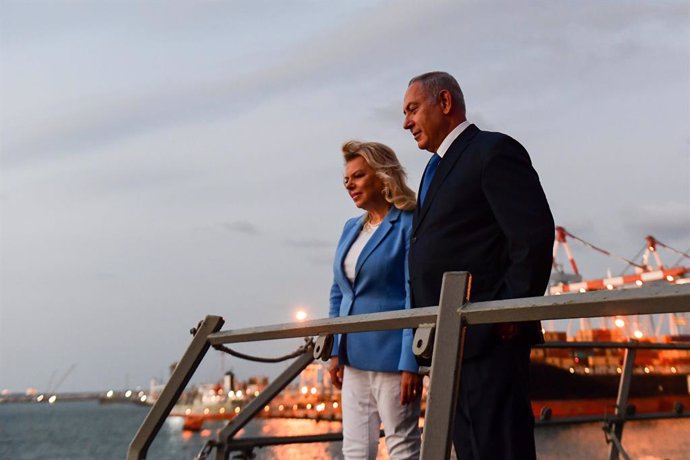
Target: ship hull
x,y
557,392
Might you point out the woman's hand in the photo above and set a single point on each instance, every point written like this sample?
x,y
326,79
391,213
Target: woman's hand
x,y
336,373
410,387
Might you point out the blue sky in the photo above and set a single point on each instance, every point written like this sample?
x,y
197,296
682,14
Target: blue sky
x,y
160,161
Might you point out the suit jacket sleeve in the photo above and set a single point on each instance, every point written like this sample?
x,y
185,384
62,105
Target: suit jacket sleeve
x,y
334,311
408,361
519,205
335,299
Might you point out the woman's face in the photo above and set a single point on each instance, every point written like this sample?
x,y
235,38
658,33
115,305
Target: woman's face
x,y
362,183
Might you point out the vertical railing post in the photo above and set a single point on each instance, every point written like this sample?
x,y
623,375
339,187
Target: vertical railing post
x,y
257,404
445,367
173,389
616,430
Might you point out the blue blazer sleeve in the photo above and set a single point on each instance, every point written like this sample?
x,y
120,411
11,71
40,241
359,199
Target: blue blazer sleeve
x,y
336,294
407,362
334,311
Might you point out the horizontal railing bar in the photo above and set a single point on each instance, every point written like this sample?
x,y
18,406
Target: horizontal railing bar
x,y
577,419
648,300
265,441
397,319
643,301
259,442
253,443
638,345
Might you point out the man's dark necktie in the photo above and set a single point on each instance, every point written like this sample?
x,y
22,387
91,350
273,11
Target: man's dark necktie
x,y
428,176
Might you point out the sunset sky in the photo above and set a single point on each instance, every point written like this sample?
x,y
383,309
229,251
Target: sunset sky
x,y
161,161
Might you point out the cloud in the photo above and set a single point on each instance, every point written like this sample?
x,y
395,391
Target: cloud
x,y
321,261
76,127
309,243
241,226
669,220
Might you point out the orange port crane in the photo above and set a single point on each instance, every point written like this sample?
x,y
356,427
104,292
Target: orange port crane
x,y
644,272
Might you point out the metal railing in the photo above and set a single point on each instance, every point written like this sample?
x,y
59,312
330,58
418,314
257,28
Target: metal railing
x,y
448,322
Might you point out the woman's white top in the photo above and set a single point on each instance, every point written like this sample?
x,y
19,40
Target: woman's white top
x,y
350,262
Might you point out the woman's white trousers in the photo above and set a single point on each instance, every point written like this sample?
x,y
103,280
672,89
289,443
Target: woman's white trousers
x,y
369,398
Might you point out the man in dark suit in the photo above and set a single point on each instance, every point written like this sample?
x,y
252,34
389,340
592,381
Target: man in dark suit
x,y
482,210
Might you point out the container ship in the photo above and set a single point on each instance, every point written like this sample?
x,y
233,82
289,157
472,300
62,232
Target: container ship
x,y
583,380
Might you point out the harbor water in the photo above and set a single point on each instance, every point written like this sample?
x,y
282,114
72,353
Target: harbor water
x,y
87,430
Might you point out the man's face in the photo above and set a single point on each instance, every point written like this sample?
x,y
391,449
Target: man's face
x,y
424,118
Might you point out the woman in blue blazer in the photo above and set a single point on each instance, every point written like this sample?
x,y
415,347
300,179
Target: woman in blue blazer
x,y
376,370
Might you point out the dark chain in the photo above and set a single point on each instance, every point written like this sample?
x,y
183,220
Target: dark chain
x,y
309,343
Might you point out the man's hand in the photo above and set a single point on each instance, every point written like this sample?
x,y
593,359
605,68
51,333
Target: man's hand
x,y
336,373
410,387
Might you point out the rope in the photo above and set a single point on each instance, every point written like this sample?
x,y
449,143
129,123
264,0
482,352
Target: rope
x,y
603,251
637,256
681,257
259,359
682,254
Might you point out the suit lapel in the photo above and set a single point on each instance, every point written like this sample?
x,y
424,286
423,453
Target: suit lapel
x,y
376,239
444,168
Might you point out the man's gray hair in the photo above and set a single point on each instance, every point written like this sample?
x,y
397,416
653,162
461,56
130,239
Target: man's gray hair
x,y
435,82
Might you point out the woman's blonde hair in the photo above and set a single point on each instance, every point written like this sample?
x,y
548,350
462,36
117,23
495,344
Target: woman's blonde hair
x,y
387,167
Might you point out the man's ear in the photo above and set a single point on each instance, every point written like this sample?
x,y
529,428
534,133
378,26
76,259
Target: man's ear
x,y
446,101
